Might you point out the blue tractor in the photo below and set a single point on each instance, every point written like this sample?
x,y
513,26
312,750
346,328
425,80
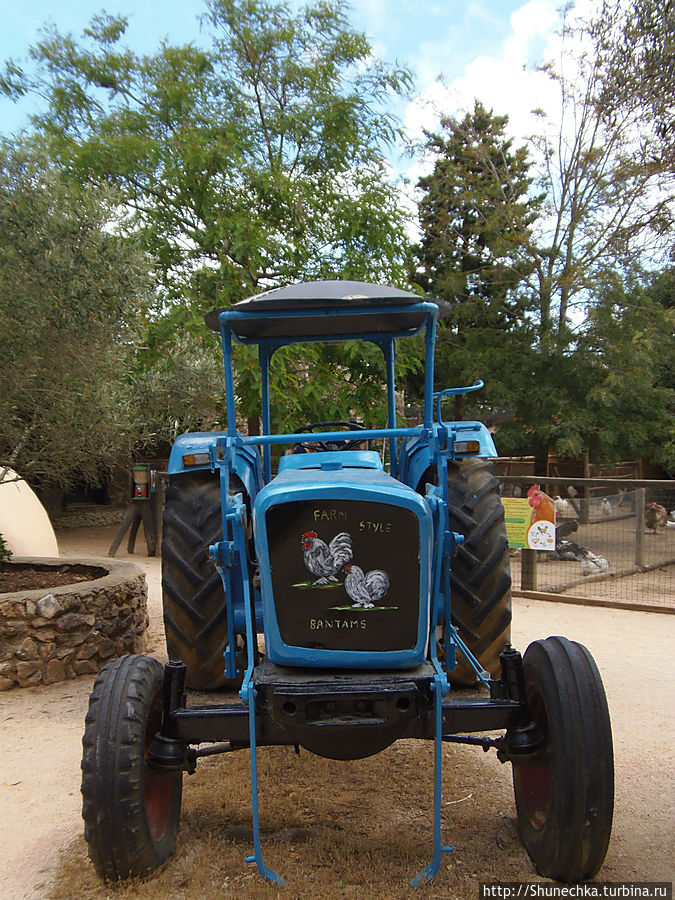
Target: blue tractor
x,y
342,601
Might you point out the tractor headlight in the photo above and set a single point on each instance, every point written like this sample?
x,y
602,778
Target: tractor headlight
x,y
196,459
466,446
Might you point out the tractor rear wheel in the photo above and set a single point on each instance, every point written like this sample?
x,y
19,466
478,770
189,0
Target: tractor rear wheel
x,y
565,790
193,596
130,813
480,574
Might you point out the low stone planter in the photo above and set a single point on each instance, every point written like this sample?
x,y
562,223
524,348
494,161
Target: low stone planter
x,y
51,634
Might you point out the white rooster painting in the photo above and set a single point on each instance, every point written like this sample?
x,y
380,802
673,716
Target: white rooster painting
x,y
325,560
365,589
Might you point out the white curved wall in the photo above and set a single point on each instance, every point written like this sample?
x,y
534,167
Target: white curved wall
x,y
24,523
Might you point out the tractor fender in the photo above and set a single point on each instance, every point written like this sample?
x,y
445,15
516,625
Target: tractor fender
x,y
415,458
417,454
247,465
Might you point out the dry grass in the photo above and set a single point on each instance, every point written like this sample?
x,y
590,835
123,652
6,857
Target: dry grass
x,y
332,829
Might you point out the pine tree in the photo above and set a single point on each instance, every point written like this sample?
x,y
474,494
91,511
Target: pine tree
x,y
475,217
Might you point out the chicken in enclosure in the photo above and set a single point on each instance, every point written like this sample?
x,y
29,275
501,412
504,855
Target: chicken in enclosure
x,y
606,508
594,564
565,520
365,590
563,508
655,517
326,560
591,563
571,551
564,529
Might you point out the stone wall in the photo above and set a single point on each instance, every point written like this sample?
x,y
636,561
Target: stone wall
x,y
56,633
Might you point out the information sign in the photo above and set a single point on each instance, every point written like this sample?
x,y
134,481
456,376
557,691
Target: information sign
x,y
530,521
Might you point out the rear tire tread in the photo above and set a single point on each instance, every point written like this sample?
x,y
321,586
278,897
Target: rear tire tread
x,y
480,576
195,610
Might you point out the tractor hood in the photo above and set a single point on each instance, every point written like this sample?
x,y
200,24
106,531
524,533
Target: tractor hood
x,y
345,560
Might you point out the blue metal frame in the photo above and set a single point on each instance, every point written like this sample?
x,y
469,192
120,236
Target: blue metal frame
x,y
423,446
231,555
429,444
268,346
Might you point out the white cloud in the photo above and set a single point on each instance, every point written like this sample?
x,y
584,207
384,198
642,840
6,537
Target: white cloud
x,y
505,82
529,23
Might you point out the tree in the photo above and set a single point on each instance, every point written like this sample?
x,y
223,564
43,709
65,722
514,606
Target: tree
x,y
638,70
476,217
606,175
608,185
607,181
248,163
254,163
71,293
629,343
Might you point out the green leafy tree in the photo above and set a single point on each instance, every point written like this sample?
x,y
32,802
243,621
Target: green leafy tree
x,y
629,343
638,52
71,293
604,168
608,186
255,162
608,182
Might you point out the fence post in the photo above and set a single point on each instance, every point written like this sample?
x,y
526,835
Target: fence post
x,y
158,499
640,527
586,505
528,570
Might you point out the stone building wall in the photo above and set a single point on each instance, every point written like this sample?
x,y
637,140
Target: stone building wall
x,y
52,634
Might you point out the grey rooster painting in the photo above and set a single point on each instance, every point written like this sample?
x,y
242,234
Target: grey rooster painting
x,y
326,560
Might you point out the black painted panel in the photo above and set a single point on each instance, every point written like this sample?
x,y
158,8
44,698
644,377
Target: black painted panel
x,y
373,604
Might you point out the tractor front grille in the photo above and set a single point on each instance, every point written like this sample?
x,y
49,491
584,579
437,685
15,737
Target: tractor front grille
x,y
345,574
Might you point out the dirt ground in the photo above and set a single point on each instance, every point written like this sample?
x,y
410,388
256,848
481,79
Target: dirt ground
x,y
332,828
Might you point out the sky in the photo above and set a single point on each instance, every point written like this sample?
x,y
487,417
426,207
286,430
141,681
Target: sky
x,y
457,49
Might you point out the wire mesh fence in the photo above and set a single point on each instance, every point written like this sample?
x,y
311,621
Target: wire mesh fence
x,y
612,545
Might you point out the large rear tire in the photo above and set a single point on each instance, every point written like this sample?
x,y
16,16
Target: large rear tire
x,y
480,574
193,596
130,813
565,790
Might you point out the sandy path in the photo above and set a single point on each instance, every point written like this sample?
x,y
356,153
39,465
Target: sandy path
x,y
42,729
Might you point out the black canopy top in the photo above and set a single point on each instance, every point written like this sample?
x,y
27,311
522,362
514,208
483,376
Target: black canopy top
x,y
335,303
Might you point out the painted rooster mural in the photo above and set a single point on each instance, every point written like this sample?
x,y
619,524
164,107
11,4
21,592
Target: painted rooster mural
x,y
326,560
365,590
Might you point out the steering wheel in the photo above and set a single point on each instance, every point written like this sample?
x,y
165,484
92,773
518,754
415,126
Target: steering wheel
x,y
307,447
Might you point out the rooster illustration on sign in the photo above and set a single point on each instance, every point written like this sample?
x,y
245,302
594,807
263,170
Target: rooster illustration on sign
x,y
364,590
326,560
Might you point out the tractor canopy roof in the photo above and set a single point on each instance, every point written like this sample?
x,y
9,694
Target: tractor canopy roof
x,y
329,309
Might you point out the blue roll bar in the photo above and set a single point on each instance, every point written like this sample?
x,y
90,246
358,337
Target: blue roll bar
x,y
385,340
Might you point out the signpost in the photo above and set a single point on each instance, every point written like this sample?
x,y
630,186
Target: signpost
x,y
530,526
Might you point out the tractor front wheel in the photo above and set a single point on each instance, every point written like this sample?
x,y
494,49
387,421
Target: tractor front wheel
x,y
565,790
130,812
